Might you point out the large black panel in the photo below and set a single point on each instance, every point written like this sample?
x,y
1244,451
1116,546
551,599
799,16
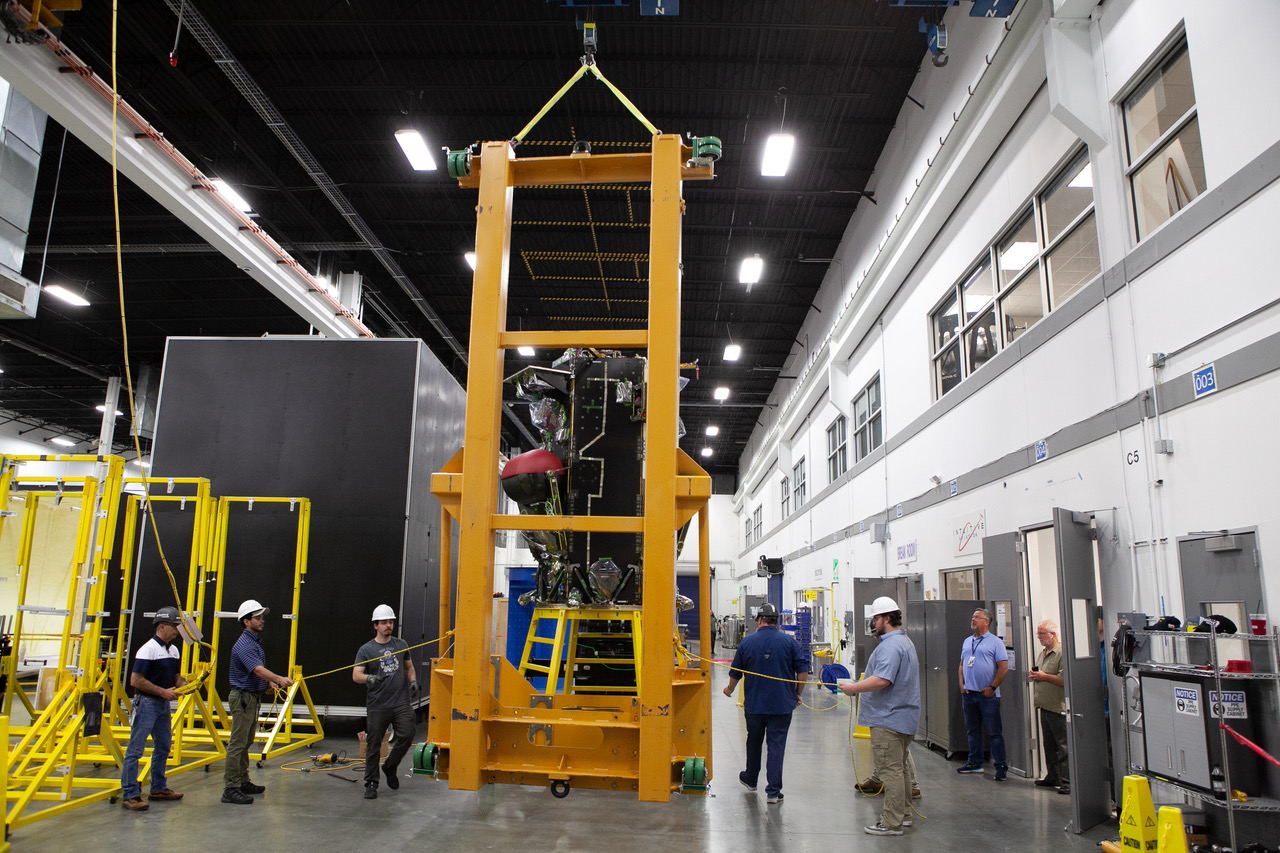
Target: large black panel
x,y
357,426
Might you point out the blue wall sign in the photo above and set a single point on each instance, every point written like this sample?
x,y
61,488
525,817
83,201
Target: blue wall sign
x,y
1042,451
1204,381
955,488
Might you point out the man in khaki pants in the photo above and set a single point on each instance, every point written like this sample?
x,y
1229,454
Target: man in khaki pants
x,y
891,710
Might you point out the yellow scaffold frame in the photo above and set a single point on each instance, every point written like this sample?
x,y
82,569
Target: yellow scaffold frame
x,y
486,722
286,731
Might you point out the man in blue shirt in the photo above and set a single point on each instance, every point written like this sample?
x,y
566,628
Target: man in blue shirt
x,y
249,677
769,701
891,710
153,679
983,665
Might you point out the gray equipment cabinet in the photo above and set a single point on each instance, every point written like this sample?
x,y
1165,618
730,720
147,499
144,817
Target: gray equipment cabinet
x,y
1184,695
937,628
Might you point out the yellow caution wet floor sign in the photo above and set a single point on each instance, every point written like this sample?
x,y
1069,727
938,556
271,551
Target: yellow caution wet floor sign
x,y
1171,835
1138,817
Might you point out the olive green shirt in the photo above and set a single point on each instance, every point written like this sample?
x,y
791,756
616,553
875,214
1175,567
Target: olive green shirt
x,y
1045,694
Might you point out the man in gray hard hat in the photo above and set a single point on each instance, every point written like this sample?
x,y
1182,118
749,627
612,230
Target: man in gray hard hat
x,y
153,679
891,710
383,665
249,677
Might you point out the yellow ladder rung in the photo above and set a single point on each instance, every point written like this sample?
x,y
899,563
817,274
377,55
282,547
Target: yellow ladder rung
x,y
537,667
548,640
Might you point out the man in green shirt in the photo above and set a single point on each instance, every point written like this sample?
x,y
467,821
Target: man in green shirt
x,y
1050,700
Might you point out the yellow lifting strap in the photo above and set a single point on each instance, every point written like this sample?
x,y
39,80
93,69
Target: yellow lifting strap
x,y
595,70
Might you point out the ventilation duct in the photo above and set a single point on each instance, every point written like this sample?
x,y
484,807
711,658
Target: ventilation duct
x,y
21,138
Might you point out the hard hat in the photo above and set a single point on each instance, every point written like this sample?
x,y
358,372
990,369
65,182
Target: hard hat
x,y
168,615
383,611
767,610
883,604
251,608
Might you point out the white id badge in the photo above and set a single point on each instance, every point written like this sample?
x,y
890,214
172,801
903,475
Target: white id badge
x,y
970,661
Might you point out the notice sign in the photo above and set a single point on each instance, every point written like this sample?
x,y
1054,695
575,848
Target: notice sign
x,y
907,552
1228,704
1186,700
967,532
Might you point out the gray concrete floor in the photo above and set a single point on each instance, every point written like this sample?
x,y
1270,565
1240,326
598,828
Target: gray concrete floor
x,y
821,810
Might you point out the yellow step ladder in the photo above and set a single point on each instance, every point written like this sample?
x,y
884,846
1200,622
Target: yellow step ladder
x,y
564,661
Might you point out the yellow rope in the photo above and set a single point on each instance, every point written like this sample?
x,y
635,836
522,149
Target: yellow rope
x,y
577,75
446,635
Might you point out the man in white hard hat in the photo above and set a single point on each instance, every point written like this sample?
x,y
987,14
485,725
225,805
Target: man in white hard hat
x,y
249,677
153,679
383,665
891,710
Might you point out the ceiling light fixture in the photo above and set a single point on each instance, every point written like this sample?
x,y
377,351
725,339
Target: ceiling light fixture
x,y
707,451
713,430
731,352
470,258
65,295
237,200
101,408
778,149
722,393
415,150
527,352
60,440
751,270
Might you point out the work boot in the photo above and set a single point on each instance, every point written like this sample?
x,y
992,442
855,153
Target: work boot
x,y
165,794
1002,772
250,788
393,782
236,797
915,792
134,804
371,790
871,786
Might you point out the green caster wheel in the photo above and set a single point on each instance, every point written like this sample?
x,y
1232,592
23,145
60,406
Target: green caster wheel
x,y
424,758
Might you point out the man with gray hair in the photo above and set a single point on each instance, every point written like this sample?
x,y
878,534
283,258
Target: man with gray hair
x,y
1050,700
984,662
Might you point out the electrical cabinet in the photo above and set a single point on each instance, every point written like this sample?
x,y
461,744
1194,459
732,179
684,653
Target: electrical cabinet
x,y
937,628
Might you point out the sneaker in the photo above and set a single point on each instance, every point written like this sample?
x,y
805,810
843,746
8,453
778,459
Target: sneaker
x,y
134,804
742,778
393,781
1046,783
774,799
969,768
906,823
871,787
371,791
878,828
236,797
250,788
1002,773
915,793
165,794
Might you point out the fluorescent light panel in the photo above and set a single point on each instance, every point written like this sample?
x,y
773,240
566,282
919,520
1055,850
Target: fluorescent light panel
x,y
416,151
778,149
61,441
102,408
722,393
470,258
731,352
751,270
707,451
713,430
237,200
527,352
65,295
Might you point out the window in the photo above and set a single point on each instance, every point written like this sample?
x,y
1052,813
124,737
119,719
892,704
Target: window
x,y
786,496
961,584
1049,253
758,518
797,484
1162,140
837,454
868,434
746,536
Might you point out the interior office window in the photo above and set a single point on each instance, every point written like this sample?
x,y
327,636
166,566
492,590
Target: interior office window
x,y
837,452
962,584
1047,254
786,496
758,518
1162,138
797,484
868,429
747,533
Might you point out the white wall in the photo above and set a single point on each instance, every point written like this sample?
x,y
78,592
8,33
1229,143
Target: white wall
x,y
899,257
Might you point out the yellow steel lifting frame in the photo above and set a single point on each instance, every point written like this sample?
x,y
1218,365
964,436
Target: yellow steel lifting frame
x,y
279,730
487,724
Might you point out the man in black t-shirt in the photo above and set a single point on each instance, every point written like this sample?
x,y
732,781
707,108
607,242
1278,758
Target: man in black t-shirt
x,y
383,665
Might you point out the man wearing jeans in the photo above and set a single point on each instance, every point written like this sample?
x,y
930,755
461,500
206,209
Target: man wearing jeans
x,y
891,710
983,665
769,701
249,677
154,675
383,665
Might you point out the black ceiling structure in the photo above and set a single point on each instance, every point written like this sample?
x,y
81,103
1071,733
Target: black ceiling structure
x,y
344,76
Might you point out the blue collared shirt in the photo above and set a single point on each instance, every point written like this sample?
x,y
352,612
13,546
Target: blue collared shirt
x,y
246,656
770,652
986,651
896,707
